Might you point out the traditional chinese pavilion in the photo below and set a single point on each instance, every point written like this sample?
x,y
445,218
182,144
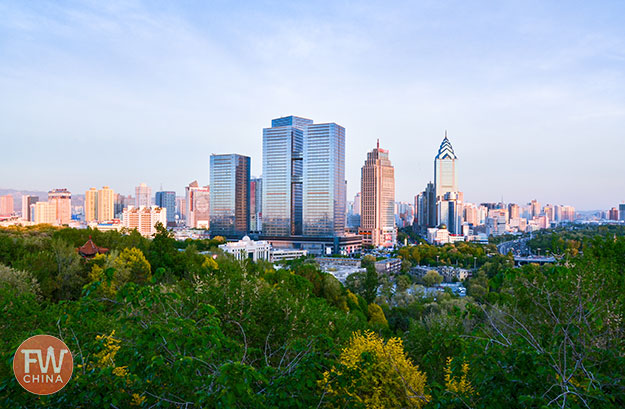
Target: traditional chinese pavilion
x,y
90,249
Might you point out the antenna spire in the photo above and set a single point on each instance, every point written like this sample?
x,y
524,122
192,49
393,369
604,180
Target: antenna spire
x,y
378,143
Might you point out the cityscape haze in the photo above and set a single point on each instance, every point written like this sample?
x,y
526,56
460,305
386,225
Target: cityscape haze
x,y
527,91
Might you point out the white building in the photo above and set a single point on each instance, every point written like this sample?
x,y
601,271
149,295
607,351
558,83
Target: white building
x,y
247,248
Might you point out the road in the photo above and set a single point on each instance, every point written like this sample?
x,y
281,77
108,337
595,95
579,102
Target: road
x,y
517,247
522,253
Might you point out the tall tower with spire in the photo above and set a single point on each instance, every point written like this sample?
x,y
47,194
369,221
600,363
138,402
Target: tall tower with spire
x,y
445,179
448,197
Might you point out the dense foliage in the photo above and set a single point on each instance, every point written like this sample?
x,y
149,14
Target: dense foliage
x,y
157,323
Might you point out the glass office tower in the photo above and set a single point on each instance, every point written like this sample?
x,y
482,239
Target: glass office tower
x,y
167,200
229,195
283,146
324,180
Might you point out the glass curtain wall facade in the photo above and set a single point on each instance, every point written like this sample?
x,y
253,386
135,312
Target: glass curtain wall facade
x,y
229,195
283,146
256,200
324,180
167,200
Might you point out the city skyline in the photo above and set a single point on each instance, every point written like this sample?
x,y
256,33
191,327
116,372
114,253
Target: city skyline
x,y
525,109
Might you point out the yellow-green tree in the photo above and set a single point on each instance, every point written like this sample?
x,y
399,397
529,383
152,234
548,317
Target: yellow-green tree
x,y
376,315
116,269
375,374
133,261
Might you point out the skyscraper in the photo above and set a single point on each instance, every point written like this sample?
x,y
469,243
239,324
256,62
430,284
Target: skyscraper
x,y
106,200
27,202
448,198
426,208
99,204
61,200
534,208
324,180
143,195
283,149
229,195
621,211
445,179
256,204
514,211
91,205
357,204
197,206
377,187
6,205
167,200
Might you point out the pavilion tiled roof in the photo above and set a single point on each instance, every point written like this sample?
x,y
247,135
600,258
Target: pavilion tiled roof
x,y
90,249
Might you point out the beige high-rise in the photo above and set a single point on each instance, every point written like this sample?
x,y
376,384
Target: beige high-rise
x,y
377,196
106,198
91,204
99,204
61,199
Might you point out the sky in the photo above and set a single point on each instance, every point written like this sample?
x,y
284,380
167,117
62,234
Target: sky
x,y
531,93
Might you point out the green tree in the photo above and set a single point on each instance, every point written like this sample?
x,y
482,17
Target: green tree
x,y
432,278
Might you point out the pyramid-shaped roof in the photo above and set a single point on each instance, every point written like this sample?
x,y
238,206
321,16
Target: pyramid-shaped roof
x,y
446,151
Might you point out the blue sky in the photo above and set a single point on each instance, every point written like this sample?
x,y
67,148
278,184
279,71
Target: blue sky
x,y
532,93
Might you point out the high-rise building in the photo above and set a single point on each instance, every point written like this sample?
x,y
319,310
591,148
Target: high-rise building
x,y
106,204
120,203
514,211
621,211
45,213
568,213
27,202
197,202
377,187
61,199
256,204
143,195
549,211
404,214
557,213
613,214
445,178
181,207
100,204
304,187
534,208
91,205
6,205
353,212
229,195
324,181
426,208
471,214
449,208
357,204
283,154
167,200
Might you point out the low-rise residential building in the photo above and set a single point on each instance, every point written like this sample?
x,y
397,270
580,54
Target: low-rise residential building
x,y
388,266
144,219
247,248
